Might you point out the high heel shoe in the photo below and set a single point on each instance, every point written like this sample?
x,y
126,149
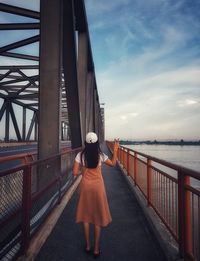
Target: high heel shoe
x,y
87,250
96,254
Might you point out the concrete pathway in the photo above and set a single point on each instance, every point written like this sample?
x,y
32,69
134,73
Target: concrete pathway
x,y
127,238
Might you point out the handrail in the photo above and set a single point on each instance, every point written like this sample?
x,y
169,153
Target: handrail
x,y
16,157
174,199
24,207
184,170
19,156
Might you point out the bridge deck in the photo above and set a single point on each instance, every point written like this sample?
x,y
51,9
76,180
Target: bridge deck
x,y
128,237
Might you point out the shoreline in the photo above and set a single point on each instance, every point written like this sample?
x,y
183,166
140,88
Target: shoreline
x,y
178,143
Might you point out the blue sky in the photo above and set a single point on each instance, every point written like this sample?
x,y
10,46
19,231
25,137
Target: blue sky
x,y
146,56
147,63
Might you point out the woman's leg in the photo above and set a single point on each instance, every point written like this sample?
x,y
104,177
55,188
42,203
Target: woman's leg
x,y
86,227
97,233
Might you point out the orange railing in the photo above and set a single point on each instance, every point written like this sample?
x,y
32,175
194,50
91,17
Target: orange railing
x,y
27,197
23,158
172,191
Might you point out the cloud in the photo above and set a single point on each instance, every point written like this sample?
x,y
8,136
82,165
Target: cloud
x,y
188,102
163,104
128,116
96,7
146,55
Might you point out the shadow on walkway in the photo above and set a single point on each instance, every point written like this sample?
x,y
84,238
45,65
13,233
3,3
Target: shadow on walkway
x,y
127,238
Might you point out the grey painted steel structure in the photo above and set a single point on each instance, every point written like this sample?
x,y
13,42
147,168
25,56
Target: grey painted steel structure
x,y
58,85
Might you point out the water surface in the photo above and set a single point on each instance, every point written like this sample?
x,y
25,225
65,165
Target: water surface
x,y
186,156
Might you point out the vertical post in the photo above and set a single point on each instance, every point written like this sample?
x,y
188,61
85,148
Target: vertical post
x,y
82,78
181,213
70,73
188,219
149,179
24,124
15,125
121,155
96,111
26,208
50,86
124,158
128,154
89,102
135,168
36,128
50,77
118,153
7,125
184,216
62,130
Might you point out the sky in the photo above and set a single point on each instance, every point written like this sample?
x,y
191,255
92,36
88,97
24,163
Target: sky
x,y
147,65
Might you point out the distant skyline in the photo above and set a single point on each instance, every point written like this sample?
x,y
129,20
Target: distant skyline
x,y
147,64
147,61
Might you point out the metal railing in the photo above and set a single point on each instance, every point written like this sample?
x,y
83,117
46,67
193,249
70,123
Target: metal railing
x,y
172,191
24,204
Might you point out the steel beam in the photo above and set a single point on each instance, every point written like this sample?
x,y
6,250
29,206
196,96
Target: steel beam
x,y
50,78
6,97
17,76
82,79
21,43
7,123
5,75
70,73
23,96
96,121
14,67
2,110
50,88
12,114
82,26
57,18
36,127
20,26
20,56
31,127
81,20
89,103
24,124
29,78
21,79
19,11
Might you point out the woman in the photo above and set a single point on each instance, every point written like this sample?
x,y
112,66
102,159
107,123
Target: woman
x,y
92,204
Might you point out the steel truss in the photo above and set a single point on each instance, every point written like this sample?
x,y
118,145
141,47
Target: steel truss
x,y
20,81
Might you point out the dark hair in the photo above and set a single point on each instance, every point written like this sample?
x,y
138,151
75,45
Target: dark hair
x,y
91,154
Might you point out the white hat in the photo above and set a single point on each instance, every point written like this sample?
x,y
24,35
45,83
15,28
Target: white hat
x,y
91,137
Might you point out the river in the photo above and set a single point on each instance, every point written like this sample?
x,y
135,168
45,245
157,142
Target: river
x,y
186,156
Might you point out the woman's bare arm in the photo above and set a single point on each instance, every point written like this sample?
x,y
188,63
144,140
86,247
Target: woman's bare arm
x,y
76,168
112,162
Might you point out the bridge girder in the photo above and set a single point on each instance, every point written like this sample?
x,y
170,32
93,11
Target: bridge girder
x,y
20,82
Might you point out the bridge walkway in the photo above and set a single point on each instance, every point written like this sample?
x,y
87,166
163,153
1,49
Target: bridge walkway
x,y
128,237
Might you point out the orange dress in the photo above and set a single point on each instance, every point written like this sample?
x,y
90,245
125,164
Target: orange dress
x,y
92,204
